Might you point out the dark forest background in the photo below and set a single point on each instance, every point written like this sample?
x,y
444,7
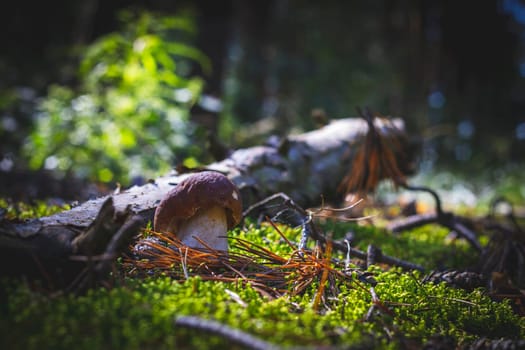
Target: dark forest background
x,y
454,70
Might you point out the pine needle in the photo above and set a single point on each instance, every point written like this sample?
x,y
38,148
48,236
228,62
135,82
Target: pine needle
x,y
377,157
267,272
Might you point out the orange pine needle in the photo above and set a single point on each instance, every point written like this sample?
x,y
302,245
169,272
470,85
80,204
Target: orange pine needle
x,y
324,276
271,273
376,158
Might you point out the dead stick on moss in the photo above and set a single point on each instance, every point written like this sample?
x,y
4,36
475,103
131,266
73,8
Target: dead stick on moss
x,y
379,257
235,335
445,219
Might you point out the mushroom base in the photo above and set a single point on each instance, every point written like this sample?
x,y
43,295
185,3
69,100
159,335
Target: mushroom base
x,y
209,225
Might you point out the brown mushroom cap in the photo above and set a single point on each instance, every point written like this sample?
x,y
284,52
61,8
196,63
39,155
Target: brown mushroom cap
x,y
199,191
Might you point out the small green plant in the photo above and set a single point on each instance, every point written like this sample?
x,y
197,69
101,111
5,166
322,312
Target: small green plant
x,y
129,115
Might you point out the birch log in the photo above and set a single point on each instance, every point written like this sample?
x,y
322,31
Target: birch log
x,y
305,167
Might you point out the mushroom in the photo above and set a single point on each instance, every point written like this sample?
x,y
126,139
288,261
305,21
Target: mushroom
x,y
204,205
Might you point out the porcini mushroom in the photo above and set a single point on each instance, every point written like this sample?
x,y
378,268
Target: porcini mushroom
x,y
204,205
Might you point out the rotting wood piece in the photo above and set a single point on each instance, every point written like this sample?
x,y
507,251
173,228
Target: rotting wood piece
x,y
305,166
69,257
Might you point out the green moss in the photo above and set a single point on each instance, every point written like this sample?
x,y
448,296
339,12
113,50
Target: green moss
x,y
428,246
140,313
37,209
266,236
423,310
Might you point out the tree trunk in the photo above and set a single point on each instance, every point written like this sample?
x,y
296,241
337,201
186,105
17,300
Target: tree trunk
x,y
59,247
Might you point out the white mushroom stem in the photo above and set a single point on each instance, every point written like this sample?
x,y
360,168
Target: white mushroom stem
x,y
209,225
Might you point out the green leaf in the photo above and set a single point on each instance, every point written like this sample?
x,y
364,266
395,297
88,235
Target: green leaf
x,y
123,106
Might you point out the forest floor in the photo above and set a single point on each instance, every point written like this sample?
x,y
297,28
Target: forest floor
x,y
266,294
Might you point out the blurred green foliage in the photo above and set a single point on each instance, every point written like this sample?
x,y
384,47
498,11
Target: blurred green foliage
x,y
20,210
129,115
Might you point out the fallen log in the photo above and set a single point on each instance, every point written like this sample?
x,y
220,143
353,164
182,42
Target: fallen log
x,y
307,167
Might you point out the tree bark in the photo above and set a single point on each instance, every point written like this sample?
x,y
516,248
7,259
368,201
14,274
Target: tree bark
x,y
59,247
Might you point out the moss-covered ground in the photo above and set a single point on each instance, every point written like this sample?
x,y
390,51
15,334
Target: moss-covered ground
x,y
401,311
